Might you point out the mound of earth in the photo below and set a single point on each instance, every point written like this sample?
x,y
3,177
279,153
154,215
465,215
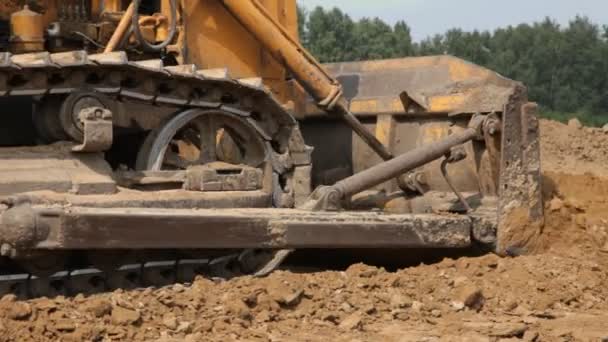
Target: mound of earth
x,y
574,149
559,294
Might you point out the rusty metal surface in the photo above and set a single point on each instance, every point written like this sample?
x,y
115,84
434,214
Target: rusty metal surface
x,y
53,168
330,198
178,86
94,228
521,209
436,84
97,130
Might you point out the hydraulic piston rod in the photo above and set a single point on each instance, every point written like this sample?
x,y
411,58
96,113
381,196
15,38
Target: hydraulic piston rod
x,y
312,76
330,197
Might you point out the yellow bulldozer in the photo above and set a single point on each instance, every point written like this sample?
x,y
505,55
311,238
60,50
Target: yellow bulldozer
x,y
145,142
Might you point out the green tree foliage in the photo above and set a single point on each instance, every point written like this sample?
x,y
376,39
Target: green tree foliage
x,y
565,68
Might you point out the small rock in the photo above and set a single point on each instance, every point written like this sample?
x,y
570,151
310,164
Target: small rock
x,y
330,317
196,337
346,307
400,314
292,298
170,321
556,204
122,316
511,305
20,311
118,301
99,308
9,298
575,123
164,337
204,326
117,333
240,309
576,204
458,306
604,249
363,271
370,309
436,313
399,301
65,326
184,327
417,306
46,305
460,280
470,296
580,220
532,336
179,288
264,316
605,128
506,330
352,322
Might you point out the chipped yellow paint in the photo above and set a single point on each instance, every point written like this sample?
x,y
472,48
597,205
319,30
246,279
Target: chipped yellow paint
x,y
216,39
446,103
377,105
433,132
364,105
385,130
461,71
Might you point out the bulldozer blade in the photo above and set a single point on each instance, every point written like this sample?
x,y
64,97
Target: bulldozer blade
x,y
436,84
443,89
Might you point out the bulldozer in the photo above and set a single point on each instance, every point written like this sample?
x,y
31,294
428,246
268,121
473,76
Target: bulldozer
x,y
145,142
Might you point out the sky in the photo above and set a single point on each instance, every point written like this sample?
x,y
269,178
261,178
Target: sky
x,y
429,17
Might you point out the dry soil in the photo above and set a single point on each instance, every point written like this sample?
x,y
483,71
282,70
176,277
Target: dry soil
x,y
559,294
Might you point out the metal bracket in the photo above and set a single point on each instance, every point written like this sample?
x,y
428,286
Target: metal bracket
x,y
324,198
98,130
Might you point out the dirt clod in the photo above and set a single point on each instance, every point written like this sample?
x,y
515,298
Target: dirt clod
x,y
352,322
98,307
122,316
469,296
19,311
170,322
575,123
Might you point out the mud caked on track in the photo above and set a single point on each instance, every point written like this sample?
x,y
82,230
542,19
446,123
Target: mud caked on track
x,y
560,293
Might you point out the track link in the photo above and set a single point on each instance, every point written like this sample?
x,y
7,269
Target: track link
x,y
89,281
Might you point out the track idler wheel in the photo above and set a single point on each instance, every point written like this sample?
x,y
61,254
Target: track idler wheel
x,y
56,118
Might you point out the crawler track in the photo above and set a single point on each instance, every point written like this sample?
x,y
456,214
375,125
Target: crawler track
x,y
129,276
149,82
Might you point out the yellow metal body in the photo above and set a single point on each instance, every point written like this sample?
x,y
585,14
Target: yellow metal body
x,y
27,31
215,39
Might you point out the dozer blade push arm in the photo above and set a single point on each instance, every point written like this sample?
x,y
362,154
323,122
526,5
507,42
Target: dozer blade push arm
x,y
305,68
331,197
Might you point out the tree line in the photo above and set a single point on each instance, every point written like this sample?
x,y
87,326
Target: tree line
x,y
564,67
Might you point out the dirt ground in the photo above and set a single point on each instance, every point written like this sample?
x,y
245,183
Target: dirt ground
x,y
560,294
